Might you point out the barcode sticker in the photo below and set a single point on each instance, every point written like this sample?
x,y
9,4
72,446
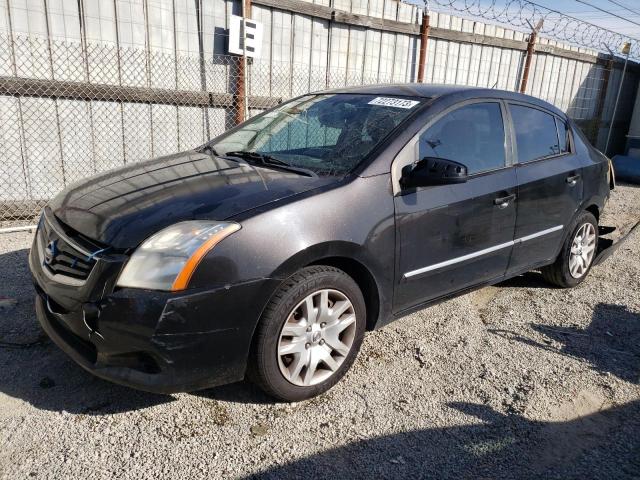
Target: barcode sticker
x,y
394,102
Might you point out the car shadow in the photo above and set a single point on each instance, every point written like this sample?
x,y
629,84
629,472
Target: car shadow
x,y
35,370
526,280
240,392
610,343
604,444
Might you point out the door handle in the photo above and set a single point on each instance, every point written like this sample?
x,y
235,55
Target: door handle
x,y
572,180
503,202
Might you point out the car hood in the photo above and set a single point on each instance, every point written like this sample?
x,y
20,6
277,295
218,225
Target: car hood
x,y
123,207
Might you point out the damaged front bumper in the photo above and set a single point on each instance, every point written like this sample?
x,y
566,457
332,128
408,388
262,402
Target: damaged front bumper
x,y
159,342
156,341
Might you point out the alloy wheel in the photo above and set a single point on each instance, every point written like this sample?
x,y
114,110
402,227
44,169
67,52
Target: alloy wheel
x,y
583,249
316,337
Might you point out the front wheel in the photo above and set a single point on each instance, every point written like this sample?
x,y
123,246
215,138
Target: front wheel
x,y
309,334
578,252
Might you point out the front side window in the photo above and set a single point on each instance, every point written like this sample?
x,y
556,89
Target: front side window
x,y
536,133
472,135
326,133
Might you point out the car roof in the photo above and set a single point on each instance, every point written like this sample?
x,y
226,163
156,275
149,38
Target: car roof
x,y
433,91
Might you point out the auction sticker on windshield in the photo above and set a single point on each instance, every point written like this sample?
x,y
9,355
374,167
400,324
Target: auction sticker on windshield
x,y
394,102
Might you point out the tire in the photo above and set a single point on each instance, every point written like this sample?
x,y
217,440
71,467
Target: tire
x,y
560,272
310,336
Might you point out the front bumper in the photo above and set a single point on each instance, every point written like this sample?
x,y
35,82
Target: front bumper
x,y
161,342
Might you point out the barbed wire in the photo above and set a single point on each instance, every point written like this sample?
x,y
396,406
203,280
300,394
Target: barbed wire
x,y
523,14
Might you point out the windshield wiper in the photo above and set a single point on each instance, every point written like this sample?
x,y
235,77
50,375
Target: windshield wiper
x,y
260,157
208,148
269,161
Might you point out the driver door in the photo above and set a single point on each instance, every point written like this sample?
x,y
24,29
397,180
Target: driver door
x,y
450,237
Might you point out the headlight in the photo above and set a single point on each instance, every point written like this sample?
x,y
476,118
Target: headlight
x,y
167,260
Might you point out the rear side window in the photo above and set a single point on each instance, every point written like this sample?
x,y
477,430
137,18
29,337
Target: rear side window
x,y
536,133
472,135
563,136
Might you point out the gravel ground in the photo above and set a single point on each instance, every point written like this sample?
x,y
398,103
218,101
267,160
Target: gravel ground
x,y
519,380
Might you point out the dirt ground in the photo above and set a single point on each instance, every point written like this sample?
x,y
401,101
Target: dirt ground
x,y
520,380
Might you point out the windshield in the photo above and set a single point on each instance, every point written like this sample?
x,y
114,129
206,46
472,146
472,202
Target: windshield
x,y
326,133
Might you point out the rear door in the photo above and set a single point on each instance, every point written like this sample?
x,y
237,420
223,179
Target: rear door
x,y
452,236
550,184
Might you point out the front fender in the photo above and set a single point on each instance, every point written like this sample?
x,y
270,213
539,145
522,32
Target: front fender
x,y
354,221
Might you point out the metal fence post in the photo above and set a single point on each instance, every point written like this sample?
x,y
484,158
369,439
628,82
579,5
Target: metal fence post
x,y
242,112
424,39
626,49
529,55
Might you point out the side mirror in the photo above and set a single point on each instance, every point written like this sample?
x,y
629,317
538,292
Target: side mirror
x,y
433,171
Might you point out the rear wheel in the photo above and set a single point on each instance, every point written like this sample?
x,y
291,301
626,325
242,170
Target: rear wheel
x,y
578,252
309,334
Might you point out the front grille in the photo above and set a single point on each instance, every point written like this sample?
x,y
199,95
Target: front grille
x,y
60,255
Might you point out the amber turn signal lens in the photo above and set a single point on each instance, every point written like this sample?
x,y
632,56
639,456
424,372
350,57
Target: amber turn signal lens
x,y
182,280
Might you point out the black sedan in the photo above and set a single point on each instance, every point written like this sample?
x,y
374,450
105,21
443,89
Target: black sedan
x,y
269,251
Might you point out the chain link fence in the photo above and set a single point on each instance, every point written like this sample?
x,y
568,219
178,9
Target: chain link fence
x,y
69,110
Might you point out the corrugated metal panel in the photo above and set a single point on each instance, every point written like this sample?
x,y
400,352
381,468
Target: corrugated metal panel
x,y
492,59
574,86
359,7
6,56
464,56
4,16
405,52
260,71
190,127
342,5
281,56
45,171
302,38
28,18
376,8
164,129
161,43
214,22
387,53
107,135
137,131
440,48
579,99
66,46
14,164
401,58
355,56
187,49
339,48
132,38
319,52
76,139
101,34
390,9
372,49
219,121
